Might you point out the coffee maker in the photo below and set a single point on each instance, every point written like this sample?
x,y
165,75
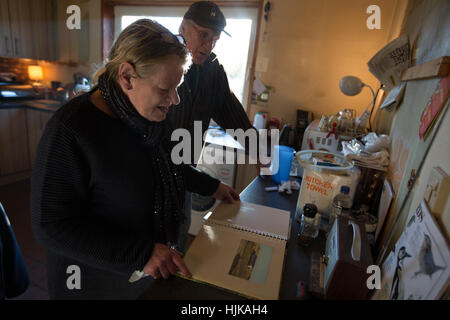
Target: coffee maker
x,y
304,118
293,136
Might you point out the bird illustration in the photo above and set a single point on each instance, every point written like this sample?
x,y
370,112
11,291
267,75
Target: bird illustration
x,y
426,261
397,285
411,221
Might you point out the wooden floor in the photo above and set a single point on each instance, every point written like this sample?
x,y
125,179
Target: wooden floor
x,y
16,201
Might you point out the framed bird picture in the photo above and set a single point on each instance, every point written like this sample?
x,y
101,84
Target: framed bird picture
x,y
418,267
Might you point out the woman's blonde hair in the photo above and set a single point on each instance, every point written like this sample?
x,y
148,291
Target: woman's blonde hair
x,y
144,44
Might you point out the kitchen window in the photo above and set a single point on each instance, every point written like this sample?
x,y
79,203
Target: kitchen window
x,y
235,53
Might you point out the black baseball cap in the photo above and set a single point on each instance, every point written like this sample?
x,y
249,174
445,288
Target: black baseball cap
x,y
208,15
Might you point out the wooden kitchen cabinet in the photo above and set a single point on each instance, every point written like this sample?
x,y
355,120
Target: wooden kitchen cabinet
x,y
6,49
14,154
22,40
27,29
36,29
21,130
73,45
44,29
36,122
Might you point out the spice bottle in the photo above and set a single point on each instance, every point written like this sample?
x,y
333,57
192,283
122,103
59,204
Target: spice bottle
x,y
309,225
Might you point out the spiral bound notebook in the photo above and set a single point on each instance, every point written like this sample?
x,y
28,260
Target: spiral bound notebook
x,y
241,248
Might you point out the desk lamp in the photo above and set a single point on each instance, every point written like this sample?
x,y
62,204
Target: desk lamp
x,y
351,86
35,74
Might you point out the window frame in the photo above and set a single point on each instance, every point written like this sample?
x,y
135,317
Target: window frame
x,y
108,26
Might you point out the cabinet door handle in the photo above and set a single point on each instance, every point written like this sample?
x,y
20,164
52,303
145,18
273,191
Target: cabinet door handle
x,y
6,45
16,44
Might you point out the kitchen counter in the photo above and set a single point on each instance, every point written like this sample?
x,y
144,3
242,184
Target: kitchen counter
x,y
297,259
36,104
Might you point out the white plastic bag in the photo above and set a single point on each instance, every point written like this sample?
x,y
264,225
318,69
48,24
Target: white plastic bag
x,y
374,143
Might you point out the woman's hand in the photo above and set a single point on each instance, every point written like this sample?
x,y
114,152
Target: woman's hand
x,y
226,193
165,262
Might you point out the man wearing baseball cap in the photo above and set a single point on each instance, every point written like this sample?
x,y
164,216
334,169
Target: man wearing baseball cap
x,y
201,28
205,93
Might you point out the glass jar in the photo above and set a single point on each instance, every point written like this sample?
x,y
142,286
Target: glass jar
x,y
309,224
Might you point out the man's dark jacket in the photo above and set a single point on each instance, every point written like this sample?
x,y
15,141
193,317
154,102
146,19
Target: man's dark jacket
x,y
204,95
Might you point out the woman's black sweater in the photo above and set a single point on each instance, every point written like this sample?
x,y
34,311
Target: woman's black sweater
x,y
92,202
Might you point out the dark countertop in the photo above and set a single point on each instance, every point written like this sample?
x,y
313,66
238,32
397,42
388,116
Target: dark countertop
x,y
297,259
36,104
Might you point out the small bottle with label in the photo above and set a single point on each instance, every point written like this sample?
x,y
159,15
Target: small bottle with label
x,y
309,225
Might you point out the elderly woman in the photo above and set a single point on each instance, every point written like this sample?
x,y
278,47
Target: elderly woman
x,y
106,199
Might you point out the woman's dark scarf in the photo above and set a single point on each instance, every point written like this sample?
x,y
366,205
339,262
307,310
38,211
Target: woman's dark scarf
x,y
169,196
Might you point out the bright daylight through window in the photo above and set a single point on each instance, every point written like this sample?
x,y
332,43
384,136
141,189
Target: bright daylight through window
x,y
231,52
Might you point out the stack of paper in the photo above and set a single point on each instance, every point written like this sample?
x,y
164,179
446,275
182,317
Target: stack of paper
x,y
394,97
389,63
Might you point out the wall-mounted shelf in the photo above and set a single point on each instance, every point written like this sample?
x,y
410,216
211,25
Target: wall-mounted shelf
x,y
436,68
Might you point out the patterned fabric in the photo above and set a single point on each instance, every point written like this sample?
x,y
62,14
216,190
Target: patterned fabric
x,y
168,211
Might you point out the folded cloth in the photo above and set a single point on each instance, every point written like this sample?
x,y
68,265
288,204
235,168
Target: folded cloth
x,y
380,158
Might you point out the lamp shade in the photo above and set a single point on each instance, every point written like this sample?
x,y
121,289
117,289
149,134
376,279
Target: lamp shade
x,y
35,73
350,85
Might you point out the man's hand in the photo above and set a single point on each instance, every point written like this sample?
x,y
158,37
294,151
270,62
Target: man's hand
x,y
165,262
226,193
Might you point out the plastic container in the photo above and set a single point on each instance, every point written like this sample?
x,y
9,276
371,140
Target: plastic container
x,y
309,224
259,122
340,165
281,163
342,205
323,175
